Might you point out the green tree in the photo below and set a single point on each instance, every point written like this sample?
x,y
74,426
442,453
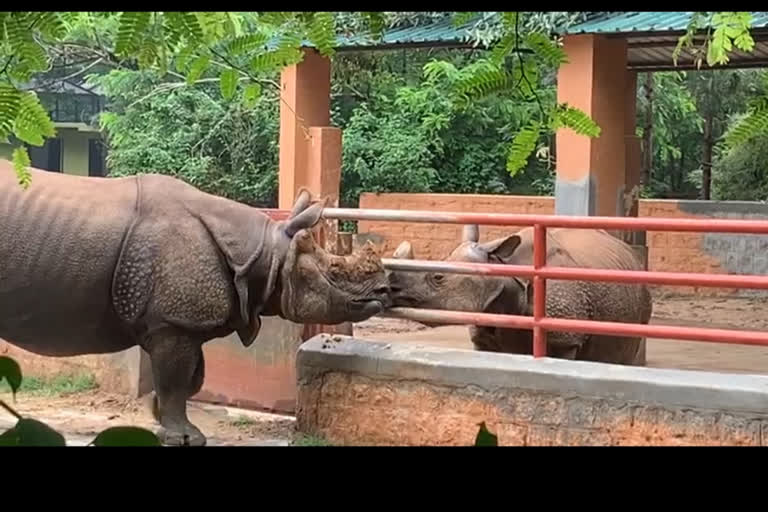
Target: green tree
x,y
240,50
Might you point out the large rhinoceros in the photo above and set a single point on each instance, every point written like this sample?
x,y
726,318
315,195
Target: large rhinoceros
x,y
94,265
600,301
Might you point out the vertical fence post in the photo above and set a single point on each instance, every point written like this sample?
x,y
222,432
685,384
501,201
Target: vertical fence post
x,y
539,290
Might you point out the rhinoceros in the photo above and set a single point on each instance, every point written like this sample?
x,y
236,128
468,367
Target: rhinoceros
x,y
92,265
601,301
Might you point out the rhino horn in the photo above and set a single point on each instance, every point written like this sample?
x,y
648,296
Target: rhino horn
x,y
404,251
471,233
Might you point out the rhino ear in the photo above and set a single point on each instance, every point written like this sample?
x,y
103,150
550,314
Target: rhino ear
x,y
501,248
303,199
304,220
404,251
470,233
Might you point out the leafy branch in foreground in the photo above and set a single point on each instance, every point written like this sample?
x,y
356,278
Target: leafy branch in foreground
x,y
242,50
31,432
514,68
731,29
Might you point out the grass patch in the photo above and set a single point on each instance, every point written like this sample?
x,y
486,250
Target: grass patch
x,y
309,440
62,384
242,421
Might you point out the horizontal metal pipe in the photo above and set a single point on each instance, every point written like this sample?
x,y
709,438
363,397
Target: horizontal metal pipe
x,y
458,267
432,316
562,221
739,281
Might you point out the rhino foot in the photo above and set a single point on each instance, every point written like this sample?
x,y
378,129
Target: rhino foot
x,y
181,435
150,404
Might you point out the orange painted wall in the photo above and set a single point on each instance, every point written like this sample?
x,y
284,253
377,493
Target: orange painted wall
x,y
681,252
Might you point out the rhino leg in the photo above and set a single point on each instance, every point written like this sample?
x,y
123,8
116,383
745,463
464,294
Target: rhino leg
x,y
197,384
177,371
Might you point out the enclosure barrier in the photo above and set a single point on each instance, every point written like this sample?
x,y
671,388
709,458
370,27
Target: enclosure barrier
x,y
540,272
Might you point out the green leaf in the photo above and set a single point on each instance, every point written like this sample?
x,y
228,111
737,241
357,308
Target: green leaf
x,y
485,437
10,371
29,432
322,32
574,119
523,144
33,121
503,48
228,83
545,49
197,68
51,24
21,163
376,22
126,436
251,95
130,32
191,23
462,18
244,44
753,124
10,99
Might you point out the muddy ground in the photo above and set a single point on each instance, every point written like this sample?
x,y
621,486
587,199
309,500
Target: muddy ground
x,y
80,415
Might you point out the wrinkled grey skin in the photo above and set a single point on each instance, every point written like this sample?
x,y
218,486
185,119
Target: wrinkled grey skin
x,y
565,299
98,265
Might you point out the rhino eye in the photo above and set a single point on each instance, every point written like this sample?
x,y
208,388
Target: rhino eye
x,y
438,278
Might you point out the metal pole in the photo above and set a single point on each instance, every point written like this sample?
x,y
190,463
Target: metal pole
x,y
551,221
539,291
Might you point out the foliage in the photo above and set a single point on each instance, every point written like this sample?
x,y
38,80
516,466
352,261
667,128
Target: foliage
x,y
224,147
741,174
514,70
754,122
730,29
485,437
237,49
31,432
414,138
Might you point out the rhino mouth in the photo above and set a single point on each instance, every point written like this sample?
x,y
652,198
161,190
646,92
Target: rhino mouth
x,y
405,301
360,304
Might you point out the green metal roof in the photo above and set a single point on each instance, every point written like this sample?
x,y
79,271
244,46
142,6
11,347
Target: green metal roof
x,y
650,21
651,38
441,33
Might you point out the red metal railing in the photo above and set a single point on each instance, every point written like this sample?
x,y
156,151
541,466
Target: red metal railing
x,y
540,272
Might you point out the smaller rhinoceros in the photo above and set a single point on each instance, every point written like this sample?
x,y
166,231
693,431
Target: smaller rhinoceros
x,y
586,300
94,265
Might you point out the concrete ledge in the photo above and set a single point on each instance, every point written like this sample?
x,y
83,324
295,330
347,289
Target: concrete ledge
x,y
360,392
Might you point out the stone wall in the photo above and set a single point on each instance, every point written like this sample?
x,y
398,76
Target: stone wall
x,y
357,392
716,253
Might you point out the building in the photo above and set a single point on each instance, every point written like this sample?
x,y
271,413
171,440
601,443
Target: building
x,y
78,147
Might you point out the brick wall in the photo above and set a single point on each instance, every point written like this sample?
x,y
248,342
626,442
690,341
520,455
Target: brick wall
x,y
667,251
361,392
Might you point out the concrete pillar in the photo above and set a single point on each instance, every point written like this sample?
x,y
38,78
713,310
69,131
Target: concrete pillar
x,y
599,176
591,171
305,103
310,149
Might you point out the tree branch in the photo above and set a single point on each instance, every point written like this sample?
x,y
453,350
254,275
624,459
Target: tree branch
x,y
519,53
9,409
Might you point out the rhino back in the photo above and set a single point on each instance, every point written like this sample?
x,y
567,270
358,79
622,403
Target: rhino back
x,y
59,241
602,301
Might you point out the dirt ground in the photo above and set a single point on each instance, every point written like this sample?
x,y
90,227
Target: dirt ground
x,y
80,416
715,312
